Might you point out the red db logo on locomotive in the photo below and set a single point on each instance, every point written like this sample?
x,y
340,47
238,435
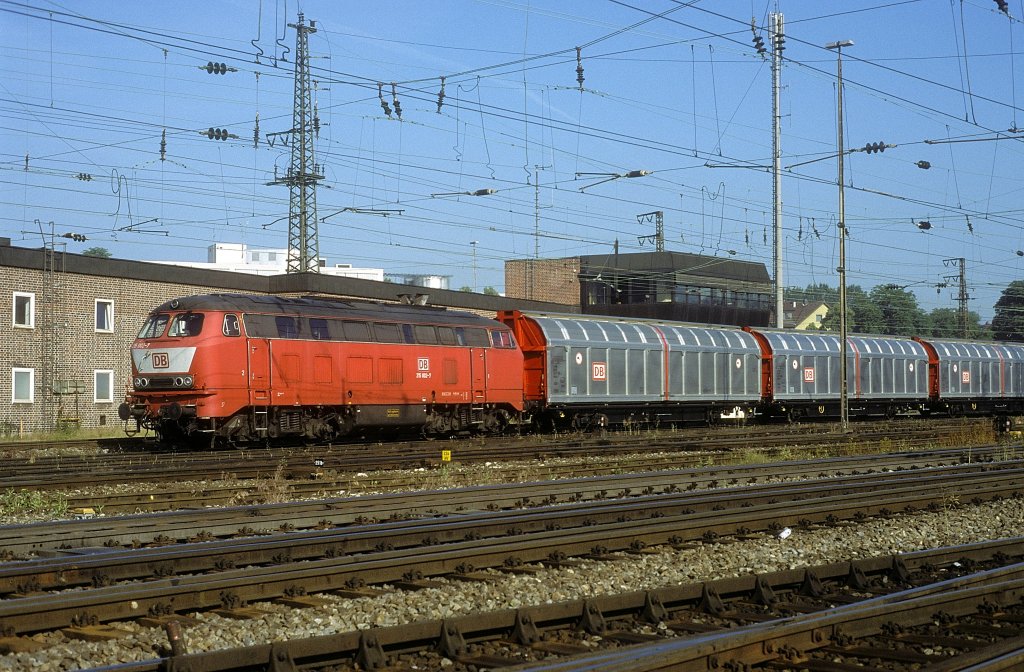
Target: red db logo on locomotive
x,y
161,360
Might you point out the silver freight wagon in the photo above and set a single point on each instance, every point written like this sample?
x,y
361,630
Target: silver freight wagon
x,y
665,371
976,372
884,374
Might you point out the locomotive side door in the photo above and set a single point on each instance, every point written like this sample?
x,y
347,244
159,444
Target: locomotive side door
x,y
478,368
259,371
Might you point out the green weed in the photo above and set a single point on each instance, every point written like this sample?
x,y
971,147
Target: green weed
x,y
33,502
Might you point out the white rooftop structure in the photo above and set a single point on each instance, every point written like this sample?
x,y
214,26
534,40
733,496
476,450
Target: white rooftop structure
x,y
240,258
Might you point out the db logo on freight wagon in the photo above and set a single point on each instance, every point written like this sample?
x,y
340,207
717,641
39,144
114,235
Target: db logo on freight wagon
x,y
600,371
161,360
423,367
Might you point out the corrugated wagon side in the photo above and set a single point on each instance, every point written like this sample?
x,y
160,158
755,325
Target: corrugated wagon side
x,y
969,378
885,375
584,371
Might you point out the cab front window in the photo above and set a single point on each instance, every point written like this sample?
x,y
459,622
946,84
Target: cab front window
x,y
186,324
154,326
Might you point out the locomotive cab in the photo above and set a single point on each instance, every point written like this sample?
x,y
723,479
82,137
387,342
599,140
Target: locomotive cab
x,y
174,358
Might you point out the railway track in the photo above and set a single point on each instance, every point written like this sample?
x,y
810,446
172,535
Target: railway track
x,y
877,613
191,524
157,583
97,482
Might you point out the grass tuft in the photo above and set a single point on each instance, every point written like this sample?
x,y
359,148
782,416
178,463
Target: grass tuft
x,y
33,503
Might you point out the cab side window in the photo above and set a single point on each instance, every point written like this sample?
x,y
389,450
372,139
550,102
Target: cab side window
x,y
231,327
502,339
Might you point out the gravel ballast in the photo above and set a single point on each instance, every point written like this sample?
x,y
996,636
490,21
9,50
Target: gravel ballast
x,y
957,525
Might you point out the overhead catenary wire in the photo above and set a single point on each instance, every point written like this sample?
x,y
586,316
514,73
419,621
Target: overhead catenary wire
x,y
545,123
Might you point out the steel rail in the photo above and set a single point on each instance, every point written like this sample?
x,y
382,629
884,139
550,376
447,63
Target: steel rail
x,y
788,640
526,626
319,483
704,508
36,472
233,587
170,527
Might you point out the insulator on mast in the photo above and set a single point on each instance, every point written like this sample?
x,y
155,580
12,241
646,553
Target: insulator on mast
x,y
383,103
394,99
757,40
579,68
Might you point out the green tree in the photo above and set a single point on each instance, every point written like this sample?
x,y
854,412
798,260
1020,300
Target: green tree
x,y
1008,322
945,323
867,315
901,316
101,252
862,315
816,292
490,291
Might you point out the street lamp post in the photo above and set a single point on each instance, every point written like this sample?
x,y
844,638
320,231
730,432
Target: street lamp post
x,y
844,405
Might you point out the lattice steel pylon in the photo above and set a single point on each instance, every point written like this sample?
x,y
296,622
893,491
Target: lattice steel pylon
x,y
303,173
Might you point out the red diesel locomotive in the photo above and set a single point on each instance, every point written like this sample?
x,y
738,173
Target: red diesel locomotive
x,y
226,368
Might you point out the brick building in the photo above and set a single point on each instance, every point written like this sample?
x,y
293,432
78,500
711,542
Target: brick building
x,y
658,285
554,280
66,360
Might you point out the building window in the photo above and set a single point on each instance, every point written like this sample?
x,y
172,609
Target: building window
x,y
105,315
23,383
24,310
103,386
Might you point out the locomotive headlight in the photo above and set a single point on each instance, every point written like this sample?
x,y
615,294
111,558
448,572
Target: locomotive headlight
x,y
179,382
141,382
187,381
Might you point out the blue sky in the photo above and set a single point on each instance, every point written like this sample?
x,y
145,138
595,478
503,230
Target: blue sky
x,y
675,88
